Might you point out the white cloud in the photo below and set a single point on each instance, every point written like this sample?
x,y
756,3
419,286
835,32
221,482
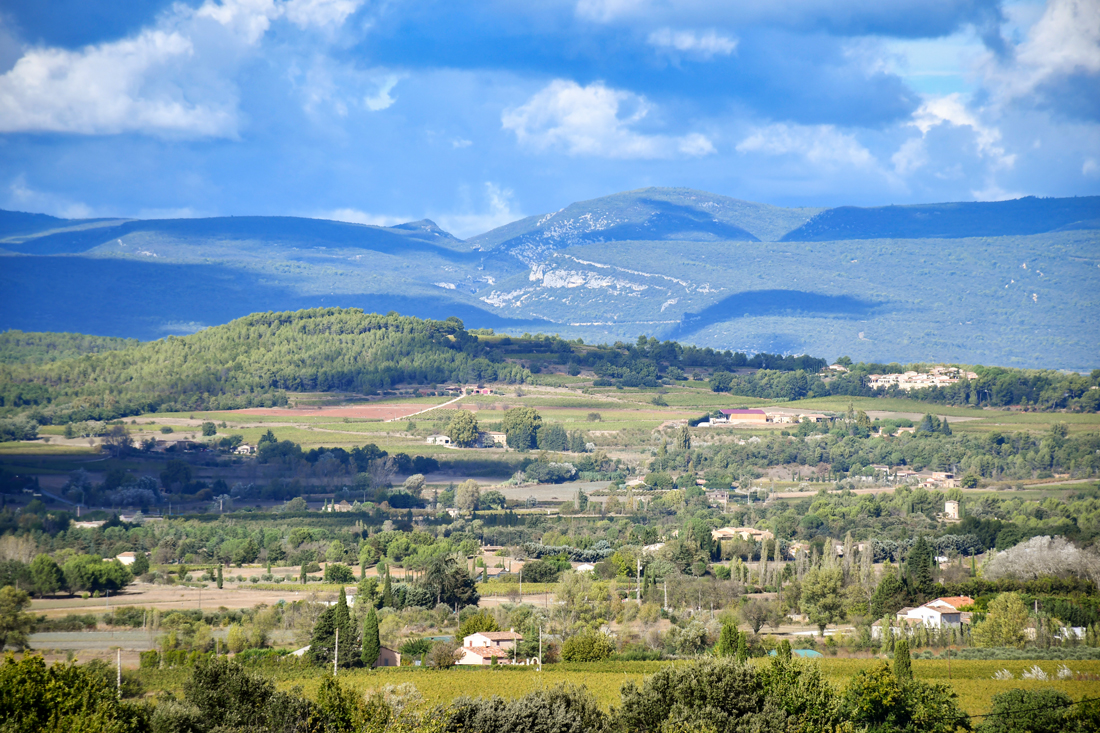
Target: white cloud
x,y
459,143
993,192
171,79
304,13
355,216
819,144
21,197
950,109
911,156
596,121
705,45
1064,41
381,99
499,212
1090,167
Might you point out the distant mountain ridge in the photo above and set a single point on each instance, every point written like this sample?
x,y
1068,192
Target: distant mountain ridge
x,y
1009,282
1028,215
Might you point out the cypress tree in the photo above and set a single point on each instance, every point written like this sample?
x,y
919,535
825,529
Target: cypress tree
x,y
324,637
342,620
219,577
903,667
372,646
727,641
302,577
742,648
387,592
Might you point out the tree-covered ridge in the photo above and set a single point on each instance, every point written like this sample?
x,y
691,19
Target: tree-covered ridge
x,y
18,347
251,360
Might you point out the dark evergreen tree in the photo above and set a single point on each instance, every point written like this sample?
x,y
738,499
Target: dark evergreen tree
x,y
903,667
220,579
372,646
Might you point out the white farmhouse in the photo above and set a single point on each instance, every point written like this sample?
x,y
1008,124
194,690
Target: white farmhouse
x,y
481,648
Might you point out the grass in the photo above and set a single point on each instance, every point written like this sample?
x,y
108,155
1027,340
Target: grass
x,y
18,448
972,680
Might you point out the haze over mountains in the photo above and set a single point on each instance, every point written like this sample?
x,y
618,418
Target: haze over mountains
x,y
1011,283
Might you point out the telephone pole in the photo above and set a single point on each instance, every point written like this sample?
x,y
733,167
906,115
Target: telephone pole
x,y
336,651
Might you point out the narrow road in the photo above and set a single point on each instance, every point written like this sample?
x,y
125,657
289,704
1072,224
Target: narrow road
x,y
434,407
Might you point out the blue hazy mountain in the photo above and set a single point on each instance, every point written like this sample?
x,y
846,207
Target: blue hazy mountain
x,y
1011,282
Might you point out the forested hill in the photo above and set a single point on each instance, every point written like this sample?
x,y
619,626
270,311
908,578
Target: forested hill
x,y
257,360
17,347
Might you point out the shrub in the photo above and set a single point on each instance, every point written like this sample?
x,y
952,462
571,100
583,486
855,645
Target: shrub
x,y
588,646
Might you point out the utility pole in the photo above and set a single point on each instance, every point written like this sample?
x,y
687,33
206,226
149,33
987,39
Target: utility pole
x,y
540,648
118,672
336,651
638,583
666,594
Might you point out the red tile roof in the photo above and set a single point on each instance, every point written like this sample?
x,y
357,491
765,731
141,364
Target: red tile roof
x,y
486,651
957,602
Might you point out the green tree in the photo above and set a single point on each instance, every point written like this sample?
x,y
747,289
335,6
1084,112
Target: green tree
x,y
918,564
742,648
220,580
587,646
15,625
1028,711
889,595
467,496
387,592
303,577
338,573
1004,624
683,439
63,697
323,641
756,613
46,576
822,596
209,429
903,666
552,437
463,429
372,646
140,565
476,623
520,425
727,640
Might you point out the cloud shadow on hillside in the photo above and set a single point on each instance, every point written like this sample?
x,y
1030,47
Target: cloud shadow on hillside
x,y
756,303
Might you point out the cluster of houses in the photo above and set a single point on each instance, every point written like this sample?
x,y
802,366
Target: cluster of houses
x,y
485,439
759,417
940,376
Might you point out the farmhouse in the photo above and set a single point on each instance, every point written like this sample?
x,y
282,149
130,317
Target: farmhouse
x,y
481,648
438,440
748,534
746,416
938,613
126,558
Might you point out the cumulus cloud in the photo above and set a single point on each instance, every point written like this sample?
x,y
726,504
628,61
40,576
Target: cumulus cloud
x,y
498,211
822,145
595,120
951,110
355,216
704,45
1064,41
171,79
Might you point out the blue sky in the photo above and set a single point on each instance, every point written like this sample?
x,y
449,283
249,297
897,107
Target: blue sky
x,y
477,113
